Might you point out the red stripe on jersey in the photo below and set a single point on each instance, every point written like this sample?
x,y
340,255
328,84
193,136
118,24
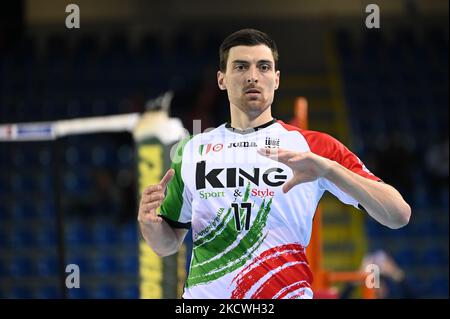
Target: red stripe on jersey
x,y
327,146
294,288
269,261
289,276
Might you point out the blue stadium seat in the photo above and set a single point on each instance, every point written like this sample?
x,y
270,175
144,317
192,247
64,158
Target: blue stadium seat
x,y
46,236
443,200
438,286
73,109
4,272
21,267
23,182
45,157
421,198
19,157
46,209
105,264
130,292
129,233
126,155
129,264
24,210
105,233
44,182
150,47
5,186
426,227
86,47
78,293
402,234
104,155
406,256
73,155
77,234
77,182
434,256
5,211
48,292
374,230
22,292
5,148
105,292
23,237
47,266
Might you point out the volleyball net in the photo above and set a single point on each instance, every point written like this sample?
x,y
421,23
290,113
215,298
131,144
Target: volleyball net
x,y
153,135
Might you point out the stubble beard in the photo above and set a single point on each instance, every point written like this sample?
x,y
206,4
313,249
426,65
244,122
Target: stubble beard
x,y
254,107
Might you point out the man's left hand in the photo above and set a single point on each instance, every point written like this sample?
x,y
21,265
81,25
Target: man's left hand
x,y
306,166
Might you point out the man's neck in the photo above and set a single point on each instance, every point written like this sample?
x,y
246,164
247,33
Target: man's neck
x,y
243,121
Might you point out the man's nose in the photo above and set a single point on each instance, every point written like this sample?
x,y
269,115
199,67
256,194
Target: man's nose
x,y
252,75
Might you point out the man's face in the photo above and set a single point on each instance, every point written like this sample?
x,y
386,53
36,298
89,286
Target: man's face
x,y
250,78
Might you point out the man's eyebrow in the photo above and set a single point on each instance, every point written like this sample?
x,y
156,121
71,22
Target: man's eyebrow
x,y
247,62
265,61
240,61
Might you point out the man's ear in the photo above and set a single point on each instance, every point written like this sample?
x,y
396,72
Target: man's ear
x,y
221,80
277,79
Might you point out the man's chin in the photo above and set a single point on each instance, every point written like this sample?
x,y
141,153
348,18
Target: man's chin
x,y
255,106
254,103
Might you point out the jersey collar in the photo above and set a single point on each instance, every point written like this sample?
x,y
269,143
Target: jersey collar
x,y
249,130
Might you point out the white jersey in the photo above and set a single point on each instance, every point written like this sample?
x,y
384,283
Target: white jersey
x,y
249,237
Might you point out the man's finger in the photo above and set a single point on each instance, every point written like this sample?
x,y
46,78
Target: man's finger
x,y
288,185
150,218
166,179
156,196
152,205
271,151
277,155
296,157
148,212
153,188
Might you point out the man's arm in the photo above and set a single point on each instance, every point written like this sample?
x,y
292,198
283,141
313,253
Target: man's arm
x,y
162,238
158,234
381,201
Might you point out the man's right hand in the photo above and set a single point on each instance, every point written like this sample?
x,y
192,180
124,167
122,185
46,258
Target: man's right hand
x,y
152,198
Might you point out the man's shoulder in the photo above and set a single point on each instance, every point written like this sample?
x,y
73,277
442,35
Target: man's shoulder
x,y
320,143
309,135
209,134
195,140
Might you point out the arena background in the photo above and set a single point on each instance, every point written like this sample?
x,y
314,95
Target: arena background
x,y
73,200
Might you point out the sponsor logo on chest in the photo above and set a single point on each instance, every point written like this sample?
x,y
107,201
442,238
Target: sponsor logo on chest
x,y
242,144
236,177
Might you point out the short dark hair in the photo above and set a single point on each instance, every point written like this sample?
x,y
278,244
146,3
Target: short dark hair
x,y
248,37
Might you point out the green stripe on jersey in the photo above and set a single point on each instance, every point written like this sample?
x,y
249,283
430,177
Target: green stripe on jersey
x,y
216,258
